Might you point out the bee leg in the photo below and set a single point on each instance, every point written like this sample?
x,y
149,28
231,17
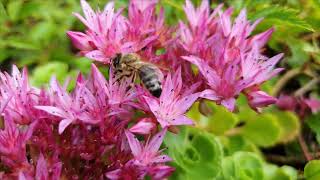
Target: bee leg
x,y
119,77
133,78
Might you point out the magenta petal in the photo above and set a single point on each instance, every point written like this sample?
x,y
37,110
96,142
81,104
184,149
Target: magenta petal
x,y
186,102
153,104
80,40
262,38
162,159
209,94
88,13
133,143
64,124
22,176
314,104
260,99
113,174
52,110
41,169
182,120
83,20
229,103
143,127
163,123
156,141
98,56
160,172
4,103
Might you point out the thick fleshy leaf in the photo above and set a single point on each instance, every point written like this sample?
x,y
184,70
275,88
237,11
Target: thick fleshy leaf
x,y
312,170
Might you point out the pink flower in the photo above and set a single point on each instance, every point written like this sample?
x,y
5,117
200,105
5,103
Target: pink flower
x,y
66,106
17,97
258,67
128,171
149,154
170,108
13,142
147,159
44,172
223,89
119,92
228,59
144,21
110,33
193,36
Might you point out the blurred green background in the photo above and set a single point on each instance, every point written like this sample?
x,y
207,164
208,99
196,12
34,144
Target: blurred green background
x,y
33,34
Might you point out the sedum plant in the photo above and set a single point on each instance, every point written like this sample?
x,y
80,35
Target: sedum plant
x,y
103,128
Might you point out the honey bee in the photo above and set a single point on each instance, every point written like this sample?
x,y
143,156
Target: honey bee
x,y
131,65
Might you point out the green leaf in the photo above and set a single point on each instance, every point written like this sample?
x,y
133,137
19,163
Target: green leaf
x,y
21,44
3,13
250,165
221,119
242,166
312,170
3,54
42,74
313,122
42,31
245,112
174,4
282,16
290,125
298,55
262,131
14,9
273,172
196,154
237,143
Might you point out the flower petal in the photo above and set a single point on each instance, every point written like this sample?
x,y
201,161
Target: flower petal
x,y
64,124
134,144
181,120
53,110
41,169
156,141
229,103
162,159
153,104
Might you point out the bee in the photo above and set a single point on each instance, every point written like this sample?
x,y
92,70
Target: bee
x,y
130,65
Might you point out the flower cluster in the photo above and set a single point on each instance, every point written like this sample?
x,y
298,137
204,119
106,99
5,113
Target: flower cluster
x,y
228,58
92,131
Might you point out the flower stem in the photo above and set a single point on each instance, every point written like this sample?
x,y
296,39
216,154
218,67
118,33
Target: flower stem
x,y
304,148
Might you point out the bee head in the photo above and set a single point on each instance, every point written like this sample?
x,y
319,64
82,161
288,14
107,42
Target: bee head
x,y
116,60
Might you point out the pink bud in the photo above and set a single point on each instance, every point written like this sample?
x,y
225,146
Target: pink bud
x,y
80,40
259,99
144,126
